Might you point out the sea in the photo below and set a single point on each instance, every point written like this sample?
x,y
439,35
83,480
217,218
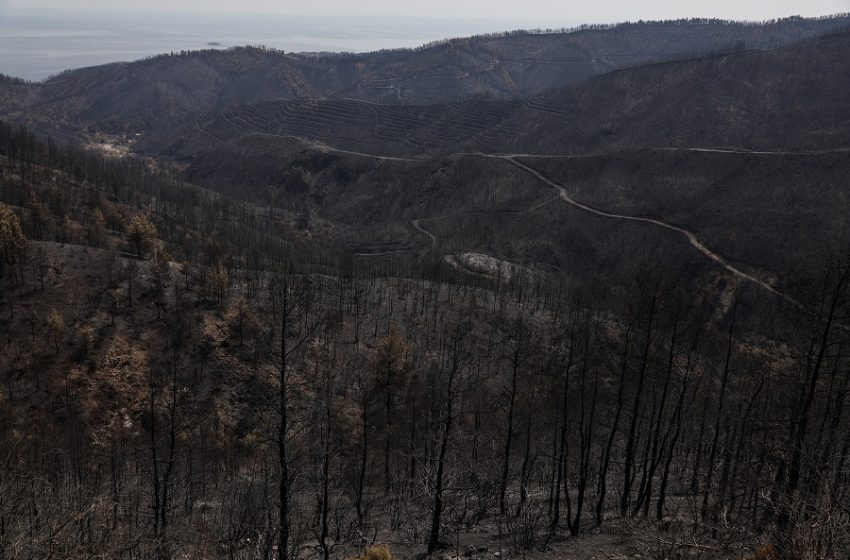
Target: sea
x,y
35,46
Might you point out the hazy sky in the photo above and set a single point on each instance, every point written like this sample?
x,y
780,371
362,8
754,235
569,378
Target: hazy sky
x,y
558,12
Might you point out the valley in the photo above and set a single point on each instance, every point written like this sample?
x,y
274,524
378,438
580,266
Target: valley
x,y
540,294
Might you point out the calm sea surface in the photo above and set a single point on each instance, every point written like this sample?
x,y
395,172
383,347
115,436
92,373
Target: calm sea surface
x,y
35,47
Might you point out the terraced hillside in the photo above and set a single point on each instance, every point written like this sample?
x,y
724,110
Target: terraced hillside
x,y
749,101
128,98
358,126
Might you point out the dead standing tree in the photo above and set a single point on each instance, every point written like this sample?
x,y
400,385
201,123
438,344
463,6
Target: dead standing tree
x,y
299,320
451,363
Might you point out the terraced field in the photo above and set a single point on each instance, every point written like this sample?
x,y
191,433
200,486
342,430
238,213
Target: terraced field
x,y
363,127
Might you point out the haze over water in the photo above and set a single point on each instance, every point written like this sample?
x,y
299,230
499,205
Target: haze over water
x,y
37,45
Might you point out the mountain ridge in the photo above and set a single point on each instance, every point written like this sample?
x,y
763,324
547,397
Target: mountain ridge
x,y
126,98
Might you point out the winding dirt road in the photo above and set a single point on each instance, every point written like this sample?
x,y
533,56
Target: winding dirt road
x,y
691,236
417,225
564,195
508,155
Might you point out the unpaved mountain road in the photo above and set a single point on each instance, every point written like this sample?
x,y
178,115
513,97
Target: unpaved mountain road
x,y
565,196
417,225
730,151
691,236
758,153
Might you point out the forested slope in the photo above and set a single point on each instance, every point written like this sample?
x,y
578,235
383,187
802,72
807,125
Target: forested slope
x,y
184,374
